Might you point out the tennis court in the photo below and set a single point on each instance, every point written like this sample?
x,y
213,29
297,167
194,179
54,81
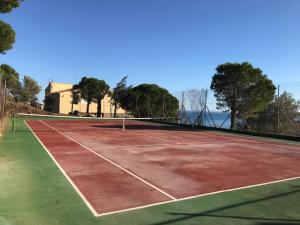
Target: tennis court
x,y
115,170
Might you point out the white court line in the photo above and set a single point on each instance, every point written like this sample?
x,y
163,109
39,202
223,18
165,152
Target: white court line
x,y
64,173
113,163
160,145
246,138
146,135
137,146
160,138
199,196
154,204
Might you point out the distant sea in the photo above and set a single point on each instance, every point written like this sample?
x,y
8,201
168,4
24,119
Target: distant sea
x,y
216,118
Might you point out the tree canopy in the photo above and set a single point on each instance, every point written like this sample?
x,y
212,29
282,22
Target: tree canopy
x,y
12,80
7,34
93,90
102,89
119,92
277,117
49,102
87,90
26,91
149,100
140,101
29,89
7,37
8,5
242,89
75,96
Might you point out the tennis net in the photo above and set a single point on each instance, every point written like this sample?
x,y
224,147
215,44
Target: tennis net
x,y
74,123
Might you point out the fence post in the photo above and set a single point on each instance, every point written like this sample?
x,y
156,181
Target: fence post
x,y
13,124
278,110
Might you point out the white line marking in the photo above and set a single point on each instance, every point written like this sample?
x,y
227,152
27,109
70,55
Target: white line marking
x,y
136,146
154,204
198,196
238,188
64,173
146,135
135,208
113,163
245,138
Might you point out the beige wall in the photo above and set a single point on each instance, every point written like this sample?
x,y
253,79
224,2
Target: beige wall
x,y
65,101
55,87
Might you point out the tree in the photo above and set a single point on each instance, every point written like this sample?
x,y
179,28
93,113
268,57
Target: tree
x,y
7,34
280,112
149,100
34,103
101,89
75,96
119,92
7,37
12,81
26,91
8,5
29,90
93,90
242,89
87,90
49,102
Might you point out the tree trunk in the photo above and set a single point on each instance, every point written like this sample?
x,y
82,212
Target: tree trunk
x,y
88,107
15,98
115,111
233,120
99,107
72,107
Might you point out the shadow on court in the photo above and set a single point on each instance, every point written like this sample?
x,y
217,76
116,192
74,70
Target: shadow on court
x,y
217,213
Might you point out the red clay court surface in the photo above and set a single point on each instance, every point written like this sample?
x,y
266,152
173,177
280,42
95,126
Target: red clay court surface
x,y
114,170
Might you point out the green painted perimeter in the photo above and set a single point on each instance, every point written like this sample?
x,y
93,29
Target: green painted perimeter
x,y
34,192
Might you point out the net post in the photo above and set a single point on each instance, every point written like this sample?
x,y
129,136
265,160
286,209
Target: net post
x,y
123,124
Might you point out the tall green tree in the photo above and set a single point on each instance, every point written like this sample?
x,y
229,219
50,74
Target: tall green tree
x,y
7,37
49,103
29,90
242,89
93,90
7,34
87,87
280,113
119,92
75,96
102,89
13,83
8,5
150,100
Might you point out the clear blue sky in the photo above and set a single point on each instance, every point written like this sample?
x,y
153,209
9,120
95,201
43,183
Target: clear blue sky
x,y
176,44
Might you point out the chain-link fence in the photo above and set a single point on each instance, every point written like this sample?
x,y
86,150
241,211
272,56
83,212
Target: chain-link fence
x,y
280,116
2,103
198,108
287,103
